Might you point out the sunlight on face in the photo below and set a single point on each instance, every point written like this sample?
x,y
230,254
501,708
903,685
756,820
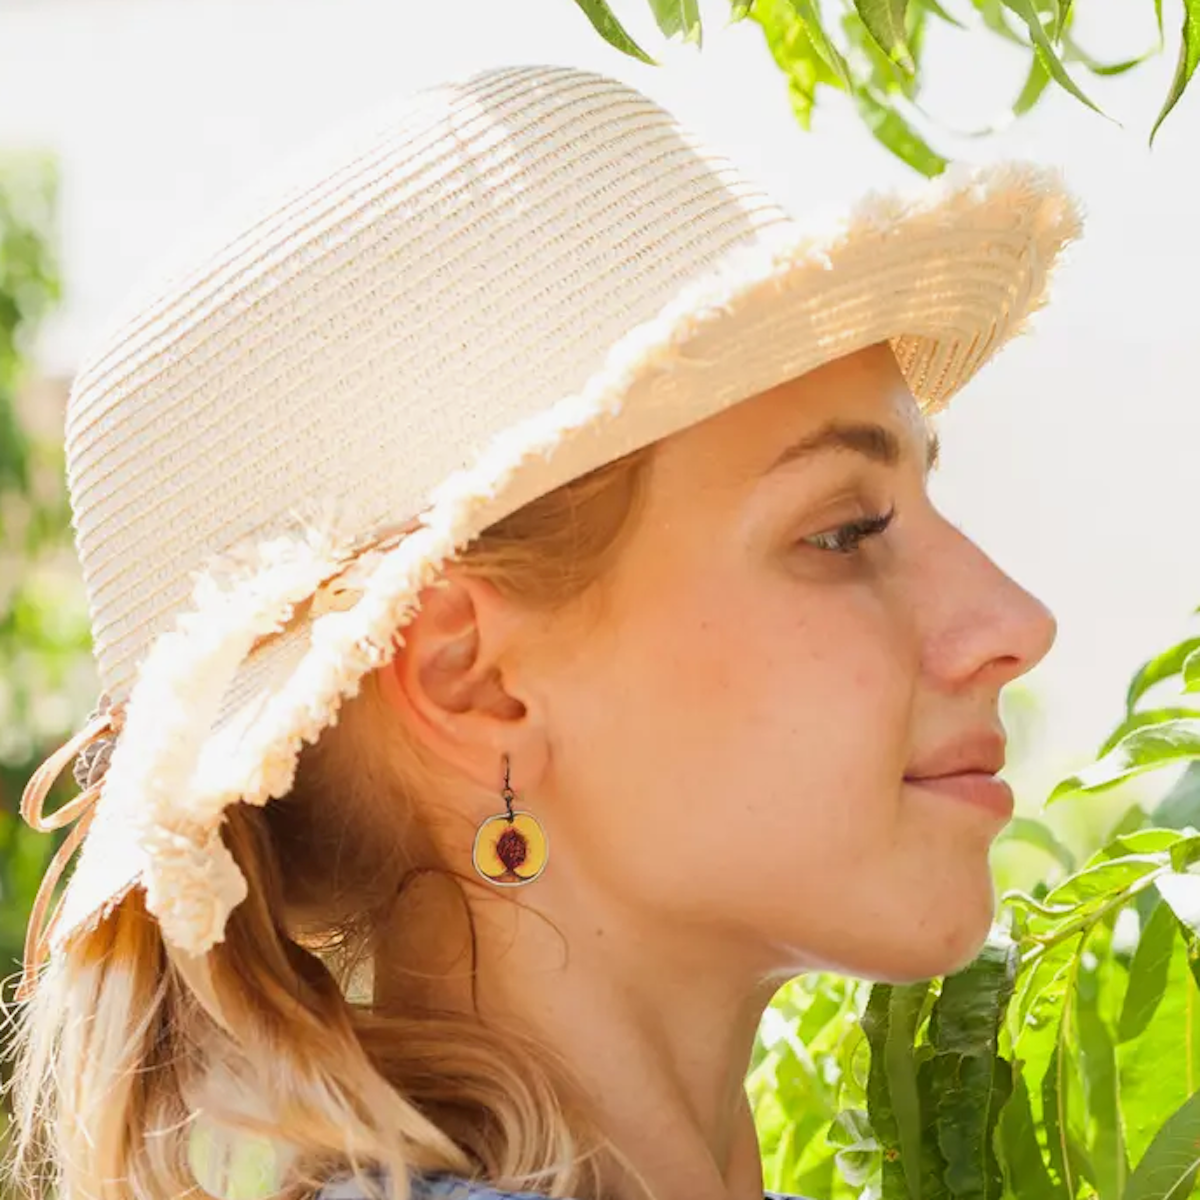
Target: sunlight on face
x,y
771,662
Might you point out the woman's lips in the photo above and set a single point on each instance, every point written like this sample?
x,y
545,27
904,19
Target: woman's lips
x,y
985,791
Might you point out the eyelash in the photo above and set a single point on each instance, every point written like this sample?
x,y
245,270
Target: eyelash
x,y
851,535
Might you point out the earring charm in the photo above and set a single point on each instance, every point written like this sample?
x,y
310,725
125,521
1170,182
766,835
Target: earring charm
x,y
511,848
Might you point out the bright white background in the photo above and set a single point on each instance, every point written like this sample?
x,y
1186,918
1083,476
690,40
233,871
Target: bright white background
x,y
1072,459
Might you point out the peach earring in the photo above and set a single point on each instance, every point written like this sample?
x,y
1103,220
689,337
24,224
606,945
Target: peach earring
x,y
511,848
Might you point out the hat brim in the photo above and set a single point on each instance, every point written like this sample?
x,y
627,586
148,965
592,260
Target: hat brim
x,y
224,702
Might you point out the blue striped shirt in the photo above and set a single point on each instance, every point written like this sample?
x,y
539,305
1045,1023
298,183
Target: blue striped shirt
x,y
444,1186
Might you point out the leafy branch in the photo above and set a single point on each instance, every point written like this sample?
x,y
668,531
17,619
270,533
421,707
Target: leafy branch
x,y
872,51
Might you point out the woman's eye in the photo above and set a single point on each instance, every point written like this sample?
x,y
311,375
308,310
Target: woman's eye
x,y
846,539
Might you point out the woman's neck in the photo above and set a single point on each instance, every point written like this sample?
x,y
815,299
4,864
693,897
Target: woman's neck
x,y
656,1028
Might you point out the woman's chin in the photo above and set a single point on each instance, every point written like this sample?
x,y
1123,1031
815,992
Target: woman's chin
x,y
927,950
954,948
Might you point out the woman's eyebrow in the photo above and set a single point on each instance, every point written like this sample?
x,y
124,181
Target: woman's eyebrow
x,y
875,442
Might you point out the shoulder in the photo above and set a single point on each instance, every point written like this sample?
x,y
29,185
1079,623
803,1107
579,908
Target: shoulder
x,y
440,1186
454,1187
443,1187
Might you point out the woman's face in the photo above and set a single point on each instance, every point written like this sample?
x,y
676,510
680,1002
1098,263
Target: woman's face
x,y
731,742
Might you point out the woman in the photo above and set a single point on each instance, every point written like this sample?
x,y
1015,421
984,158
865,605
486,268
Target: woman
x,y
572,655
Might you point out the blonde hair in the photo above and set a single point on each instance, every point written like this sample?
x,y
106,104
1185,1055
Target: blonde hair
x,y
123,1042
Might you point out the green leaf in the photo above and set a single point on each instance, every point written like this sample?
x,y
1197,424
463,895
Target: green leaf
x,y
795,54
1142,750
881,1102
1189,56
851,1127
1036,1040
1059,12
1034,86
1161,666
1045,49
1098,1069
14,451
1191,672
1139,720
884,20
903,1015
1182,895
1180,807
858,1150
816,1181
933,1161
856,1165
605,23
1021,1159
1181,847
1161,1068
739,10
1025,904
1147,973
1074,52
1042,986
1170,1163
1135,819
971,1081
1142,841
1038,834
891,130
810,19
995,18
678,17
1185,852
882,74
966,1016
1068,1158
992,1177
1100,883
938,11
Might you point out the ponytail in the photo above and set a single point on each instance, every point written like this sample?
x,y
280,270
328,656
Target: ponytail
x,y
130,1058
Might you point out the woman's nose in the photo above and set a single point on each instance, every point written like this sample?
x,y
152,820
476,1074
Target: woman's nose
x,y
985,624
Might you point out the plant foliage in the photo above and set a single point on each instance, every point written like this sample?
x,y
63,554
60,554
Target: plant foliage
x,y
872,50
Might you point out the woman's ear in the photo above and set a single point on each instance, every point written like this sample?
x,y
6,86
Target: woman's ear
x,y
449,684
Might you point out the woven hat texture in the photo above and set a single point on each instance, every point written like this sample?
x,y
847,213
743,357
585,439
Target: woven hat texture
x,y
444,311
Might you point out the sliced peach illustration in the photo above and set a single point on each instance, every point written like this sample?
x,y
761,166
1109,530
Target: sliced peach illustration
x,y
510,851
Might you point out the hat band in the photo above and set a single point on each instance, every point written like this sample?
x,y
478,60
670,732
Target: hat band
x,y
102,727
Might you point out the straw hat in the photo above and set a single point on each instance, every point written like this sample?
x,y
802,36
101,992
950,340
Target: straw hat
x,y
446,310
